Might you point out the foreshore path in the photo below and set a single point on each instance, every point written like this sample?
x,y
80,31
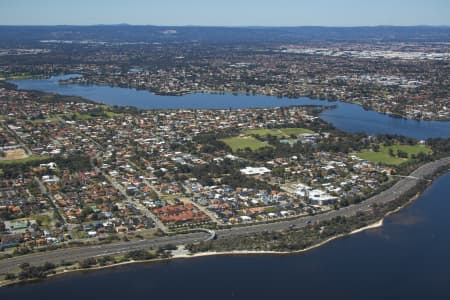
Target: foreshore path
x,y
79,253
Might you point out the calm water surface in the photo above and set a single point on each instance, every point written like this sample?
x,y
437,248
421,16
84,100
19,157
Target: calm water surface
x,y
407,258
348,117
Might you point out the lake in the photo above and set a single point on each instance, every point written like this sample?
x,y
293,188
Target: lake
x,y
407,258
346,116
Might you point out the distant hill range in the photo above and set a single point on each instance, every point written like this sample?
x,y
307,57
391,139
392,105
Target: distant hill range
x,y
163,34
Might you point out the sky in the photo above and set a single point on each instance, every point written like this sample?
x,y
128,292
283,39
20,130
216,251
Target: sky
x,y
226,12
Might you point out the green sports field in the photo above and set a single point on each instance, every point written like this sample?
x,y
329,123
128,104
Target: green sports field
x,y
240,143
383,156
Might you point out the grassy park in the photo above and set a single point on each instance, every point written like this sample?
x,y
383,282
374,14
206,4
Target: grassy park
x,y
384,156
240,143
249,141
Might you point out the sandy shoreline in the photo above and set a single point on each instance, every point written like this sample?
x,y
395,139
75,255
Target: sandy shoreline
x,y
244,252
204,254
374,225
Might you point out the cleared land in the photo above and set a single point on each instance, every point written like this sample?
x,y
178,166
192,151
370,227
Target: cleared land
x,y
14,154
241,143
384,157
76,116
279,132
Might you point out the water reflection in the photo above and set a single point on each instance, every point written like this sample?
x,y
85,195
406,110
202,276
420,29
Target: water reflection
x,y
347,117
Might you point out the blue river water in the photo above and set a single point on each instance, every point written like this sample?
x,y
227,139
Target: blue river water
x,y
347,117
407,258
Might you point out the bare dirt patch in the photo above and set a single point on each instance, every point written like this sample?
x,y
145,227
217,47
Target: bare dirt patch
x,y
13,154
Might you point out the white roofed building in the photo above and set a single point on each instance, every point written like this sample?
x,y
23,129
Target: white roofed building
x,y
255,171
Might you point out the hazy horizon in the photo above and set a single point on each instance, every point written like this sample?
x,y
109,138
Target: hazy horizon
x,y
219,26
233,13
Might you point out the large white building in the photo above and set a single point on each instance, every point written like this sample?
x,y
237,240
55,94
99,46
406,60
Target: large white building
x,y
320,197
255,171
315,197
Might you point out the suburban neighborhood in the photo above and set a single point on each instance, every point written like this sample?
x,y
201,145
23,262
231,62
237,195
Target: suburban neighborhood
x,y
89,172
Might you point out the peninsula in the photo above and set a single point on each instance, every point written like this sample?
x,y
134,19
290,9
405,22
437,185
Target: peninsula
x,y
87,185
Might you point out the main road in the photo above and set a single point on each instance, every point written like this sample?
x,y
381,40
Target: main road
x,y
80,253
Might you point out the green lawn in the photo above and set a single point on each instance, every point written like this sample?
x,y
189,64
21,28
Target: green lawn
x,y
278,132
43,220
34,158
383,155
111,114
240,143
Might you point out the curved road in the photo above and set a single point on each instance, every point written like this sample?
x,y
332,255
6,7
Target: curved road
x,y
79,253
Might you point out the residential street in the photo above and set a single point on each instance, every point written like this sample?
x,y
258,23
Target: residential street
x,y
74,254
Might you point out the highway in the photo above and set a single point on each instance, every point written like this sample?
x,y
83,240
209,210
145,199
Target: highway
x,y
79,253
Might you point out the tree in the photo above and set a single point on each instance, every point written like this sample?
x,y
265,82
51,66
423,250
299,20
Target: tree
x,y
402,154
87,263
391,152
10,276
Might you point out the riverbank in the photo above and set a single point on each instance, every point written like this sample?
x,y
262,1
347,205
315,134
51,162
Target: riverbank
x,y
69,270
244,252
342,117
375,258
403,114
437,168
377,224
